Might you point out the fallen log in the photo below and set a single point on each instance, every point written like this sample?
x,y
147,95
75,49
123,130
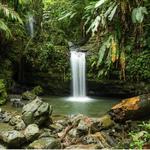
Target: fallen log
x,y
135,108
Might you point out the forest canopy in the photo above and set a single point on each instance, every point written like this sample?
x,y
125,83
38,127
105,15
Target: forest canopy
x,y
115,33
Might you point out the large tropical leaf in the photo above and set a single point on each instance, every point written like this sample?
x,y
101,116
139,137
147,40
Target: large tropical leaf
x,y
106,45
108,11
99,3
66,15
94,25
110,17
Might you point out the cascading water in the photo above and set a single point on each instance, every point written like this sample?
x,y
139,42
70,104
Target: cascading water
x,y
78,69
78,64
31,25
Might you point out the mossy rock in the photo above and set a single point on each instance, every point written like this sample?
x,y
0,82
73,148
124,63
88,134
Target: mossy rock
x,y
46,143
28,95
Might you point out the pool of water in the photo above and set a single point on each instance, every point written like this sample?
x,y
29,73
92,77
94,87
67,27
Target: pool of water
x,y
62,106
94,107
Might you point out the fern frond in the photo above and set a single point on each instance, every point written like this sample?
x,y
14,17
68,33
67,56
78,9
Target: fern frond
x,y
5,28
10,13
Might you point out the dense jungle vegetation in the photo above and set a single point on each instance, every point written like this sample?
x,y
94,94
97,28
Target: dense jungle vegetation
x,y
35,59
114,33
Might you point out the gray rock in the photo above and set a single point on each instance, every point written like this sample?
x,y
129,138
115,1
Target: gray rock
x,y
74,133
81,146
20,125
16,102
37,112
41,110
28,117
98,139
15,120
4,117
56,127
64,122
32,106
76,119
31,132
46,133
83,127
90,140
28,95
46,143
13,138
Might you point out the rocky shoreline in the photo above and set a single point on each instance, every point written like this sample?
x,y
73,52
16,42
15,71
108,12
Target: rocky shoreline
x,y
35,128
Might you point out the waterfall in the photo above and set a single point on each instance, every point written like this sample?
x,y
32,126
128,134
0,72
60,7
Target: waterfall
x,y
31,25
78,66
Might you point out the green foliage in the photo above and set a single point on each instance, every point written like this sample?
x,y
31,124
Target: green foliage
x,y
138,14
3,93
141,137
120,28
126,21
37,90
138,66
28,95
6,72
5,28
7,13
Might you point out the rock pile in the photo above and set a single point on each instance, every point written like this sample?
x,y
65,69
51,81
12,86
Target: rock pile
x,y
34,129
28,132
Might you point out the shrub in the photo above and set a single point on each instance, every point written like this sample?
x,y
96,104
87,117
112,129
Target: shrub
x,y
3,93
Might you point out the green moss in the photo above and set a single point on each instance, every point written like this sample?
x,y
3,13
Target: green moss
x,y
3,93
37,90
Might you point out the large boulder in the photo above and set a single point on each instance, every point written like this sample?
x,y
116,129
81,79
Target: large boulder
x,y
46,143
14,139
37,112
31,132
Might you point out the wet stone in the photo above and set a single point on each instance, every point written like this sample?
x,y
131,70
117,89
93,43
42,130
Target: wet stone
x,y
46,143
74,133
20,126
13,138
4,117
15,120
31,132
37,112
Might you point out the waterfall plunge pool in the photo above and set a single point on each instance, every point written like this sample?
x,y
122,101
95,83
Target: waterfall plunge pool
x,y
62,106
93,107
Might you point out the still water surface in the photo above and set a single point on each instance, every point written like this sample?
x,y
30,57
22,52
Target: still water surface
x,y
62,106
94,108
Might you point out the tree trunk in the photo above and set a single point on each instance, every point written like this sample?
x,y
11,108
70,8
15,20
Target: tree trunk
x,y
135,108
